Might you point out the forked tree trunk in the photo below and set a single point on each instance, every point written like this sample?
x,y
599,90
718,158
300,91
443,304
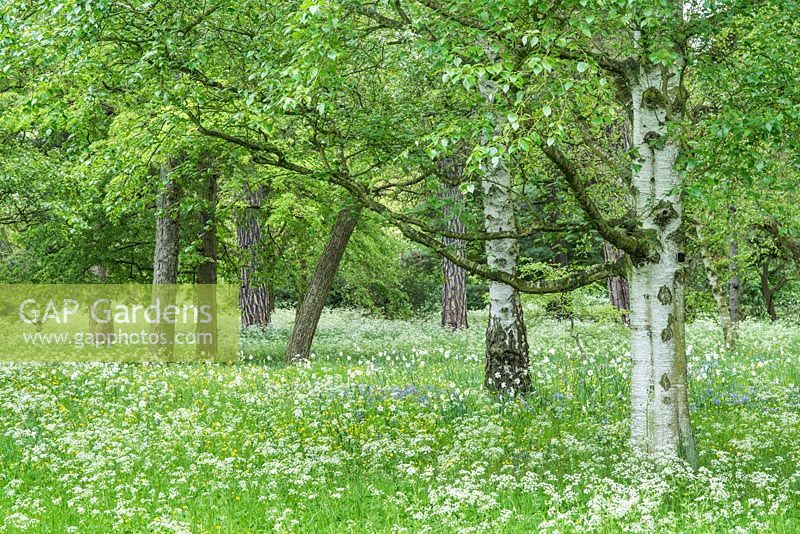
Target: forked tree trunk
x,y
255,299
165,261
659,389
206,294
310,308
507,367
618,291
454,289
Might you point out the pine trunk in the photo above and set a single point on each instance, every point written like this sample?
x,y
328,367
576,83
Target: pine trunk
x,y
507,367
454,290
310,308
659,388
255,299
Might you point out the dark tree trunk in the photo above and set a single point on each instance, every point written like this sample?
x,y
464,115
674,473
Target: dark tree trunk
x,y
454,290
507,367
207,269
768,293
617,285
255,299
165,261
310,308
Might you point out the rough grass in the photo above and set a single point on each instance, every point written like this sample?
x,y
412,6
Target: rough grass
x,y
388,430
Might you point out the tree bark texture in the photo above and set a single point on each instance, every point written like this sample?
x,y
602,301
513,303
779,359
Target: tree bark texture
x,y
768,292
507,367
312,303
165,261
734,283
454,289
618,291
206,291
660,424
255,299
103,329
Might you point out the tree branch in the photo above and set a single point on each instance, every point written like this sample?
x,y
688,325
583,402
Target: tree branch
x,y
568,283
614,235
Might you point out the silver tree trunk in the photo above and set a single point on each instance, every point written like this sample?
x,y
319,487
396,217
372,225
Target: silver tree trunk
x,y
659,389
165,262
718,291
507,366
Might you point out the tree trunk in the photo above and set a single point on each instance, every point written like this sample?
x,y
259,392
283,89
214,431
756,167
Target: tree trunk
x,y
507,367
255,299
719,294
767,292
617,285
734,283
206,294
207,268
310,308
454,290
165,261
659,389
102,330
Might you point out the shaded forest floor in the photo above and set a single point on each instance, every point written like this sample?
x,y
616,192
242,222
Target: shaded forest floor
x,y
389,430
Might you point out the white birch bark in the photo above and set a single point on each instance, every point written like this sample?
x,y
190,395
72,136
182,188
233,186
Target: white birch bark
x,y
659,398
507,367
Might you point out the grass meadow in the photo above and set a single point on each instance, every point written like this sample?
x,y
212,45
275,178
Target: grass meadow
x,y
389,430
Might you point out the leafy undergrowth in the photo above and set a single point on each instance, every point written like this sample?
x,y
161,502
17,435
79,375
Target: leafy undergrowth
x,y
388,430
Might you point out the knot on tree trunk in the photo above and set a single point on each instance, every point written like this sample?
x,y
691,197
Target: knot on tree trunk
x,y
664,213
